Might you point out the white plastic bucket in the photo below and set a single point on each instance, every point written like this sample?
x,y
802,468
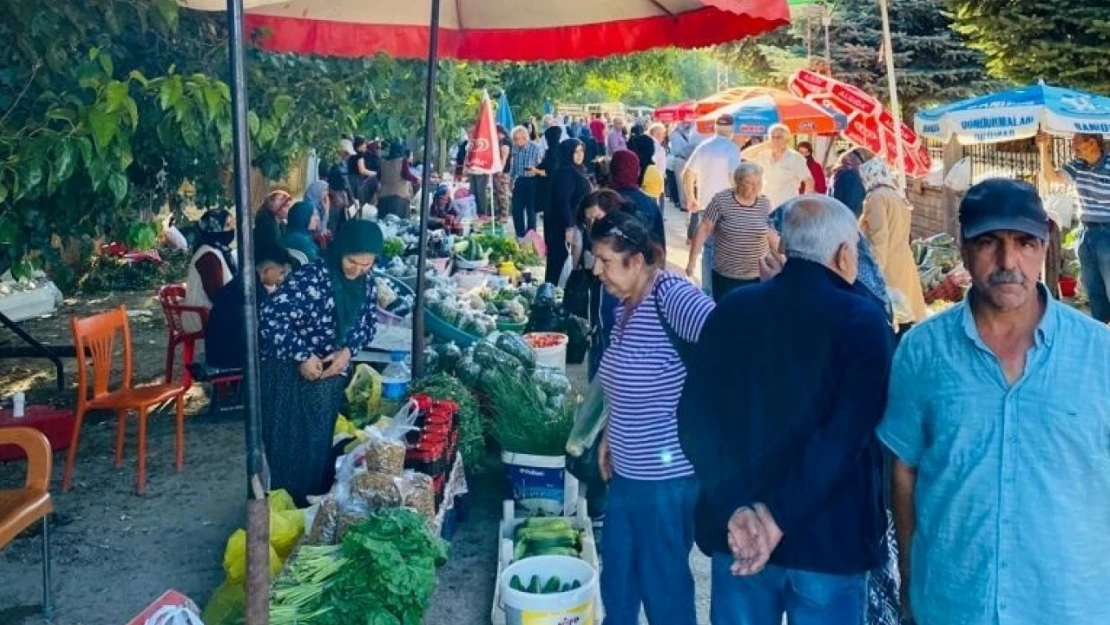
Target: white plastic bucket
x,y
541,485
554,357
574,606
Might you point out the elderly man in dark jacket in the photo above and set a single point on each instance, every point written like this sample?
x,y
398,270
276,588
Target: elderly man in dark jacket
x,y
786,386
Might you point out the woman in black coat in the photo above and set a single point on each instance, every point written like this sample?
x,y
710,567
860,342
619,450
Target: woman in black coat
x,y
569,186
547,167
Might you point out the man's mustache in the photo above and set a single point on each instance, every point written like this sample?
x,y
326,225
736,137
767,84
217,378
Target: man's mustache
x,y
1006,276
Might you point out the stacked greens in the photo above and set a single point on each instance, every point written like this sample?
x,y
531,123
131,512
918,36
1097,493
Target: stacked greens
x,y
382,574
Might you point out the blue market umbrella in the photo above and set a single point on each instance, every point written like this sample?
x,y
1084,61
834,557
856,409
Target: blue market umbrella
x,y
504,113
1017,114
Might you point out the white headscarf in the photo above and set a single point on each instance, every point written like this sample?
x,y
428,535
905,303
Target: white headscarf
x,y
876,174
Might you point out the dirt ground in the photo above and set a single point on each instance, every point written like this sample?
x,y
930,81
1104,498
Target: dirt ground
x,y
113,552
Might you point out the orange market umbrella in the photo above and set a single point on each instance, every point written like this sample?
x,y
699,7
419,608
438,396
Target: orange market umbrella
x,y
757,110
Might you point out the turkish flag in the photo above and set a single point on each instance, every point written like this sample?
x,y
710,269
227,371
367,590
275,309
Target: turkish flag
x,y
484,155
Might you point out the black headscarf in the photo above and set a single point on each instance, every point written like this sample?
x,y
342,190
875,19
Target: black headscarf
x,y
213,231
566,155
644,148
356,236
550,160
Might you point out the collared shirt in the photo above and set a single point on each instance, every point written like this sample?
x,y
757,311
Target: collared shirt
x,y
1013,481
713,163
1092,186
521,158
615,142
783,177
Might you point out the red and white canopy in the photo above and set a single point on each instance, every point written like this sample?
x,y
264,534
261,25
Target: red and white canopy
x,y
510,30
870,125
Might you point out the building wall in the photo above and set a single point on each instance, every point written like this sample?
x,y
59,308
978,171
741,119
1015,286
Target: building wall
x,y
931,214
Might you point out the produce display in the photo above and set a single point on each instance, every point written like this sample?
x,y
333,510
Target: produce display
x,y
551,586
393,297
383,573
939,267
531,414
546,537
442,386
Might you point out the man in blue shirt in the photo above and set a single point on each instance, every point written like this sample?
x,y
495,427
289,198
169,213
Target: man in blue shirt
x,y
999,418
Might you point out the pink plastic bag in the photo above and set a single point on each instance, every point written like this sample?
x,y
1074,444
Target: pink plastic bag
x,y
534,239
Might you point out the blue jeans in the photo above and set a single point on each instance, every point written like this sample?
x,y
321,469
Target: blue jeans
x,y
707,265
645,552
524,206
1094,262
805,597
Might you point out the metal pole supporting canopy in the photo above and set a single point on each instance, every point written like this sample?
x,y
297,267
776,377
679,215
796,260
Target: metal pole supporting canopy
x,y
258,512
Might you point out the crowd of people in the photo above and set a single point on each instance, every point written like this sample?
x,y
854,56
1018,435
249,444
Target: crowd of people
x,y
841,457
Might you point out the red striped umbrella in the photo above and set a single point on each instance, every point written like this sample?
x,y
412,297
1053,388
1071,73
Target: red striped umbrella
x,y
509,30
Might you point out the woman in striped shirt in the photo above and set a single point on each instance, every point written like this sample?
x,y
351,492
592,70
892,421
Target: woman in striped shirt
x,y
738,219
649,516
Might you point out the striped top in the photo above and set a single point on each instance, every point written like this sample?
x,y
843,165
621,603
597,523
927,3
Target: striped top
x,y
1092,185
741,231
521,158
642,376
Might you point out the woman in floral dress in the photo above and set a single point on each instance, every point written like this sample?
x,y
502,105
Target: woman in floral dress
x,y
321,316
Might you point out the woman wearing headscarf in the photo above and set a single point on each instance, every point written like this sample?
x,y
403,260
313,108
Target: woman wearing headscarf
x,y
395,195
298,232
212,265
320,316
269,221
317,197
887,217
847,183
569,186
650,179
546,170
624,178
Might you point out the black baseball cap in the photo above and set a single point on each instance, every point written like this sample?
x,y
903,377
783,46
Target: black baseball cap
x,y
725,120
1001,204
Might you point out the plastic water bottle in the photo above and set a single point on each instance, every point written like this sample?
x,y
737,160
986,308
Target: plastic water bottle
x,y
395,383
17,405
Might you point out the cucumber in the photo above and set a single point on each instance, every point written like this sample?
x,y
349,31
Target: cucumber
x,y
536,545
520,550
516,584
575,585
533,585
556,551
556,522
552,586
566,588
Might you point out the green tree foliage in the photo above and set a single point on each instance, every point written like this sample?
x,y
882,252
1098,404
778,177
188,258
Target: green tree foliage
x,y
932,62
1063,42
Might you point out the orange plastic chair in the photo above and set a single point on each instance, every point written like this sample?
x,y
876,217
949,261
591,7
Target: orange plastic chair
x,y
96,336
172,298
19,508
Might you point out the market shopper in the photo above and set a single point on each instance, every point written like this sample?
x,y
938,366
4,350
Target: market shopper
x,y
298,233
649,510
847,182
624,178
737,218
682,142
789,466
523,161
997,470
886,221
269,221
226,345
502,183
212,265
1090,173
363,180
820,179
397,183
709,171
650,177
785,173
569,186
616,140
318,197
546,170
596,205
311,327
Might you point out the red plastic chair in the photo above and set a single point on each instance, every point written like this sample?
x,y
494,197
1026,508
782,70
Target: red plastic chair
x,y
172,298
96,336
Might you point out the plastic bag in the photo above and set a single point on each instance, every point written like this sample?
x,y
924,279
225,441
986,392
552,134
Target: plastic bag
x,y
280,500
235,558
384,455
226,605
364,395
959,177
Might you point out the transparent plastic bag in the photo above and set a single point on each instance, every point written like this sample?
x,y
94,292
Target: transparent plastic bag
x,y
588,421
